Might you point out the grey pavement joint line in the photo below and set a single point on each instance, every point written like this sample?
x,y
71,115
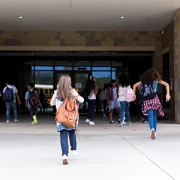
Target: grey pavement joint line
x,y
148,158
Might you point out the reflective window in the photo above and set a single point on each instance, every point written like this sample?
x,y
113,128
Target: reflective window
x,y
102,77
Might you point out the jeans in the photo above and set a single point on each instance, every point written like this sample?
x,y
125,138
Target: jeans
x,y
124,110
64,141
8,110
91,107
152,119
33,111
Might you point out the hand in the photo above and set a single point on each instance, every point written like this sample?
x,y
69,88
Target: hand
x,y
168,97
19,102
134,97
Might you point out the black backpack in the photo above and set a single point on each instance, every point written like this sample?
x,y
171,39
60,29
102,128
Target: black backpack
x,y
33,98
148,91
8,95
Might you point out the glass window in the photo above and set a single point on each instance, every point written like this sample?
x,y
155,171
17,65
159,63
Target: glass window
x,y
46,68
99,65
63,65
102,77
44,77
82,65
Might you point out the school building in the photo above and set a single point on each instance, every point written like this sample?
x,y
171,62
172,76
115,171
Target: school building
x,y
41,41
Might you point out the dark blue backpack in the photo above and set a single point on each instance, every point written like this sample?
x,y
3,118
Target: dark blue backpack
x,y
8,95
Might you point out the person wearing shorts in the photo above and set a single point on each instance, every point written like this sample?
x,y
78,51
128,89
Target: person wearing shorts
x,y
112,100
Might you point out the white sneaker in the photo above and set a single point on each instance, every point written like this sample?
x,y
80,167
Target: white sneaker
x,y
7,121
65,158
91,123
75,152
87,121
121,124
124,122
16,121
153,136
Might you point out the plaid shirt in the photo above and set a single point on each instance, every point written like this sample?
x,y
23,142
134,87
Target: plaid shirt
x,y
153,104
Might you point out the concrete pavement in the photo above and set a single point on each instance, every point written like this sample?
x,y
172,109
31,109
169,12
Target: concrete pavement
x,y
106,151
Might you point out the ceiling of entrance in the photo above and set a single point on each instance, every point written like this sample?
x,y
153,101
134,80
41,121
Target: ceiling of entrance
x,y
86,15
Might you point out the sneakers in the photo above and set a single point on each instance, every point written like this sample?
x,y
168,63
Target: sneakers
x,y
111,122
34,120
75,152
16,121
65,159
104,115
153,134
87,121
128,123
121,124
7,121
91,123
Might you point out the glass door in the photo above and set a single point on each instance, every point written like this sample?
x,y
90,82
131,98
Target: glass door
x,y
80,81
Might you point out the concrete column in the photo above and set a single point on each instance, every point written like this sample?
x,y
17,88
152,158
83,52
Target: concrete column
x,y
177,65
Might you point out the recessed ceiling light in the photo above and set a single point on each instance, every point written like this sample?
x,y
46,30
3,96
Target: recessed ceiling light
x,y
20,17
122,17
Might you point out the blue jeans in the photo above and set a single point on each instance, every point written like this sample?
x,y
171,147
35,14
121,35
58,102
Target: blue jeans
x,y
124,110
91,107
64,141
8,110
152,119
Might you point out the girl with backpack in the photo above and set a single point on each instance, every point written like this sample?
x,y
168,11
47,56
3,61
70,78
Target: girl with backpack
x,y
65,91
124,82
150,101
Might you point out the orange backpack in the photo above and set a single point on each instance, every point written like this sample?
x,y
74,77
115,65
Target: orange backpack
x,y
67,113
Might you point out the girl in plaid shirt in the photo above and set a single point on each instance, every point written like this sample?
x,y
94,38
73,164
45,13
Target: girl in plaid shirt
x,y
151,106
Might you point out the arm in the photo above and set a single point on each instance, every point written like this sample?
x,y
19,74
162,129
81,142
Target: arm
x,y
77,96
17,95
53,99
168,97
134,89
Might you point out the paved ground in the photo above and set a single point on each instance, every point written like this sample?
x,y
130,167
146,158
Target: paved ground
x,y
105,151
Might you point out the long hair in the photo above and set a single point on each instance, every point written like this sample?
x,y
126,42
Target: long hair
x,y
64,87
124,80
90,84
150,75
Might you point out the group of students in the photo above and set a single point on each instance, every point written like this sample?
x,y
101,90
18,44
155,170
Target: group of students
x,y
148,99
114,96
149,106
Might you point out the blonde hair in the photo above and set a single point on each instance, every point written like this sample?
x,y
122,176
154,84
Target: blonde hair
x,y
64,87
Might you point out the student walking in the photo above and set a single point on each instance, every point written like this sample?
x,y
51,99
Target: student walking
x,y
32,102
10,93
65,91
92,90
148,93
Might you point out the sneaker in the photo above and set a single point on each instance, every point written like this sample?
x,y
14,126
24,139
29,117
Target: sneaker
x,y
87,121
65,159
153,134
124,122
111,122
34,122
121,124
91,123
16,121
75,152
7,121
128,123
104,115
